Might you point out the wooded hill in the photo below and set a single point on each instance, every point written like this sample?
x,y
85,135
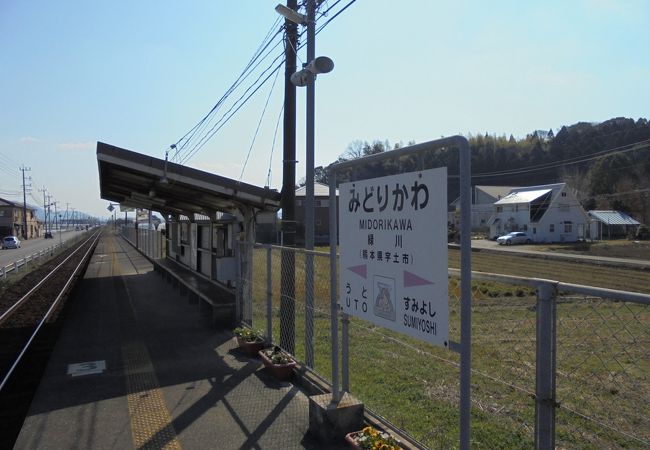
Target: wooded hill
x,y
607,163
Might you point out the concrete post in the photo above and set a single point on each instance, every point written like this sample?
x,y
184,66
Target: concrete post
x,y
545,365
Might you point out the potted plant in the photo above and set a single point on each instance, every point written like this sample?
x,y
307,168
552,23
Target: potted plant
x,y
279,363
250,341
372,439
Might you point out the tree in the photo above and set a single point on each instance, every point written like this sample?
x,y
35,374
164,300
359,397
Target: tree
x,y
354,150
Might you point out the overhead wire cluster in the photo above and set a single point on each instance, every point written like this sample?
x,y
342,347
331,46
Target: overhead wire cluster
x,y
263,66
9,169
565,162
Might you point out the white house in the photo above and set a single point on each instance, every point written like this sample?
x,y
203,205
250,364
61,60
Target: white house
x,y
548,213
483,199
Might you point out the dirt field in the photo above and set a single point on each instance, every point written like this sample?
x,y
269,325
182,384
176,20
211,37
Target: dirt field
x,y
613,249
569,272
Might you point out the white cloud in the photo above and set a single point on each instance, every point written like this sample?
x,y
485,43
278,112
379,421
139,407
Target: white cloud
x,y
30,140
76,146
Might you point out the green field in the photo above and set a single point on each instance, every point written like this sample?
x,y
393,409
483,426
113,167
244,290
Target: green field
x,y
603,363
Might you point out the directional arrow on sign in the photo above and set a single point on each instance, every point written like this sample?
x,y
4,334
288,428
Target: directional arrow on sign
x,y
361,270
411,279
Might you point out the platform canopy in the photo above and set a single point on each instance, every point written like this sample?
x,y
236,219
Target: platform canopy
x,y
141,181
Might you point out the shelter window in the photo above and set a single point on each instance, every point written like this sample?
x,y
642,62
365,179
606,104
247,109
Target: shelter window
x,y
568,227
551,228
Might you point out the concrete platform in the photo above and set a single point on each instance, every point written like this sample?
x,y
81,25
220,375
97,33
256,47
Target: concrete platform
x,y
137,366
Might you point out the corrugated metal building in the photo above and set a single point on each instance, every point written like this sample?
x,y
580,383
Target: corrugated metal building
x,y
611,224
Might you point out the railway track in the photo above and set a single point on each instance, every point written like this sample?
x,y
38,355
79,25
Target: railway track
x,y
31,313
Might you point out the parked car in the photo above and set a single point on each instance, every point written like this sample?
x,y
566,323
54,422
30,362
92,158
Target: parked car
x,y
10,242
48,235
516,237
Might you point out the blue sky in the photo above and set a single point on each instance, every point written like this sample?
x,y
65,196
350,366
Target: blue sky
x,y
140,74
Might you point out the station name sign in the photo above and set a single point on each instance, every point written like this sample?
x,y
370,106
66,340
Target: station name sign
x,y
393,247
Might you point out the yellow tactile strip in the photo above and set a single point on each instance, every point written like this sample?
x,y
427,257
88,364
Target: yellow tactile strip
x,y
151,423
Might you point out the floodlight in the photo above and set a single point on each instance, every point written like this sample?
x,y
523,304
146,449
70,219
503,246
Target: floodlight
x,y
291,15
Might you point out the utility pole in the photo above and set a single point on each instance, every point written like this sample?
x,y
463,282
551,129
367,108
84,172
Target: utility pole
x,y
49,211
56,217
67,221
24,169
44,191
288,283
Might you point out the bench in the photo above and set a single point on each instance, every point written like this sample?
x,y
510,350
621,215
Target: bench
x,y
208,294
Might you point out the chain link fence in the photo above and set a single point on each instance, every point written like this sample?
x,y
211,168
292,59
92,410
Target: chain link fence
x,y
597,388
603,367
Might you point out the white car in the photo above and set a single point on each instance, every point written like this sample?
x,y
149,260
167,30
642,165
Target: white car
x,y
10,242
516,237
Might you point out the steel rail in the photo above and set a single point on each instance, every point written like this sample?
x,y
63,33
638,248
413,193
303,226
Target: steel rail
x,y
6,378
5,315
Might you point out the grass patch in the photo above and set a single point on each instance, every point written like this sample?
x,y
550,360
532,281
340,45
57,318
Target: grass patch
x,y
602,359
620,248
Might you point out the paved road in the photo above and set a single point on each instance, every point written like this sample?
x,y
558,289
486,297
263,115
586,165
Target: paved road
x,y
485,244
31,246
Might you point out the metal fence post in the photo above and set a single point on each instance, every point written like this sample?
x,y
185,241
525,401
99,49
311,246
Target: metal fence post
x,y
345,366
545,367
309,308
334,307
238,291
269,293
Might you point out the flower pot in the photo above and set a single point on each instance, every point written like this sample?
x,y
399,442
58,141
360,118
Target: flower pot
x,y
282,372
250,348
350,439
370,441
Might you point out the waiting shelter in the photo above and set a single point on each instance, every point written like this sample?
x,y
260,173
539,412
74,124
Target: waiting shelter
x,y
206,216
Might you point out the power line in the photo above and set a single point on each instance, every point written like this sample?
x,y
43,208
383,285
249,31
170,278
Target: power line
x,y
335,15
204,123
268,39
256,60
275,134
571,161
259,123
226,117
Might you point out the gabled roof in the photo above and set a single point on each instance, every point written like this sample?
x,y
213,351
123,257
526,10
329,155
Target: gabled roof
x,y
529,194
320,190
496,192
613,218
522,196
16,204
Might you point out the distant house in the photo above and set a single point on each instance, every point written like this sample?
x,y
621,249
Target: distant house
x,y
321,213
548,213
12,222
611,224
483,199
